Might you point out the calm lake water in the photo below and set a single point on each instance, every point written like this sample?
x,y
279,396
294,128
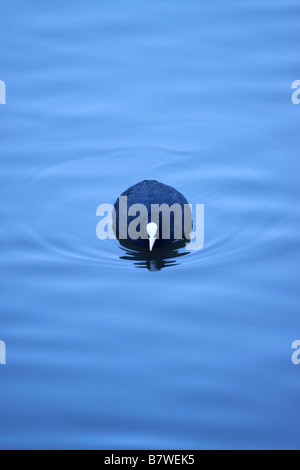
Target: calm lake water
x,y
107,349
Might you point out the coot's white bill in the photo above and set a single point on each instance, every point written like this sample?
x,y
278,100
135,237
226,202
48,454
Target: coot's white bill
x,y
152,230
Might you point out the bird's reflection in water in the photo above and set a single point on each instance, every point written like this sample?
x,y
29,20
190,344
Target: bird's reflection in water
x,y
156,260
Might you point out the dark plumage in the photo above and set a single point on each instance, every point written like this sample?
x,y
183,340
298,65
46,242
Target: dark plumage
x,y
149,193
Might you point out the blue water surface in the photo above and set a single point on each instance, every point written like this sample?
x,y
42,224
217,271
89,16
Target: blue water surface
x,y
106,350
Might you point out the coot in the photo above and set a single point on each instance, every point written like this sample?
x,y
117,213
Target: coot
x,y
152,214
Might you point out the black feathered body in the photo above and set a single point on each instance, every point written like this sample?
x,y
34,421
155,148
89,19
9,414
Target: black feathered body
x,y
148,193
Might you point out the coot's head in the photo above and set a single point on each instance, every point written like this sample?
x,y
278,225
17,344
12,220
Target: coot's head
x,y
152,215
